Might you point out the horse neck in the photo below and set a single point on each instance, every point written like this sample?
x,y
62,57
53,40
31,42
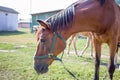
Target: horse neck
x,y
87,21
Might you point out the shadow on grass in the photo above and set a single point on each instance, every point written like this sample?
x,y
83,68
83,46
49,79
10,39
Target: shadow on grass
x,y
87,59
91,60
9,33
104,64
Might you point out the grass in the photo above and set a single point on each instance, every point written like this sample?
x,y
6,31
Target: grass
x,y
18,64
22,36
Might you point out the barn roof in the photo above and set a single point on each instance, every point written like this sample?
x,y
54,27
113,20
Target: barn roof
x,y
6,9
46,12
41,6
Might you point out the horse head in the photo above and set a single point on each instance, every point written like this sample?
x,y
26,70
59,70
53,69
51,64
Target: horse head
x,y
47,48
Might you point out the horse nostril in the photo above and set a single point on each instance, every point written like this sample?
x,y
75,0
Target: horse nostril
x,y
36,68
41,68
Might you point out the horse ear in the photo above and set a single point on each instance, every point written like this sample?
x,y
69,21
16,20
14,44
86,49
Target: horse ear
x,y
42,23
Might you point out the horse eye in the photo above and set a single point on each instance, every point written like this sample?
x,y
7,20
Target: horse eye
x,y
42,40
43,30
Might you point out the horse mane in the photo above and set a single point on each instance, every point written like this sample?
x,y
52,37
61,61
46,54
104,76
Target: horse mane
x,y
60,20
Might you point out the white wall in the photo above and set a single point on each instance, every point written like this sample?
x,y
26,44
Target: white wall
x,y
12,22
3,21
8,21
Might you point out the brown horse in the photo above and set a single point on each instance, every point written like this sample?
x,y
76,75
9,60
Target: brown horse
x,y
98,16
73,39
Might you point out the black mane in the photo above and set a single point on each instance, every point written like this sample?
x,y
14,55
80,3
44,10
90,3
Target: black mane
x,y
61,19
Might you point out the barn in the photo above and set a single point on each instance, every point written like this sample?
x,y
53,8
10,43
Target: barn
x,y
24,23
8,19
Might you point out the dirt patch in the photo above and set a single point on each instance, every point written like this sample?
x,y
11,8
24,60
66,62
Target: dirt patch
x,y
10,51
20,46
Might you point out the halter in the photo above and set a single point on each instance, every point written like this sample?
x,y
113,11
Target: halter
x,y
51,55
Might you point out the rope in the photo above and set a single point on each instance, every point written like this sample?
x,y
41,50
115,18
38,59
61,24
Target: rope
x,y
60,59
69,71
62,55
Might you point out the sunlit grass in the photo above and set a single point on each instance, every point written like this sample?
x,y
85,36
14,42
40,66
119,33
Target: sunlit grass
x,y
17,37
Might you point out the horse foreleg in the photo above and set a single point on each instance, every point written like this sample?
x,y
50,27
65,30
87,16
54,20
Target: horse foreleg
x,y
70,41
111,66
97,49
74,43
91,51
87,45
116,57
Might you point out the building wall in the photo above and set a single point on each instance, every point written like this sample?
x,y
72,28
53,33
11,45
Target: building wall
x,y
24,25
8,21
3,21
41,16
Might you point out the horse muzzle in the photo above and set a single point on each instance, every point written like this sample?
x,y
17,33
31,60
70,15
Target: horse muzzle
x,y
41,68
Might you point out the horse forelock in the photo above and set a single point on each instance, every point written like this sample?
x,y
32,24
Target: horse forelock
x,y
62,19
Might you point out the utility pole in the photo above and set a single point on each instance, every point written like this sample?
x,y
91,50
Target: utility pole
x,y
31,26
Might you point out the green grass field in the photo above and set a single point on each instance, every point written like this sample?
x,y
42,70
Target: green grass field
x,y
17,50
